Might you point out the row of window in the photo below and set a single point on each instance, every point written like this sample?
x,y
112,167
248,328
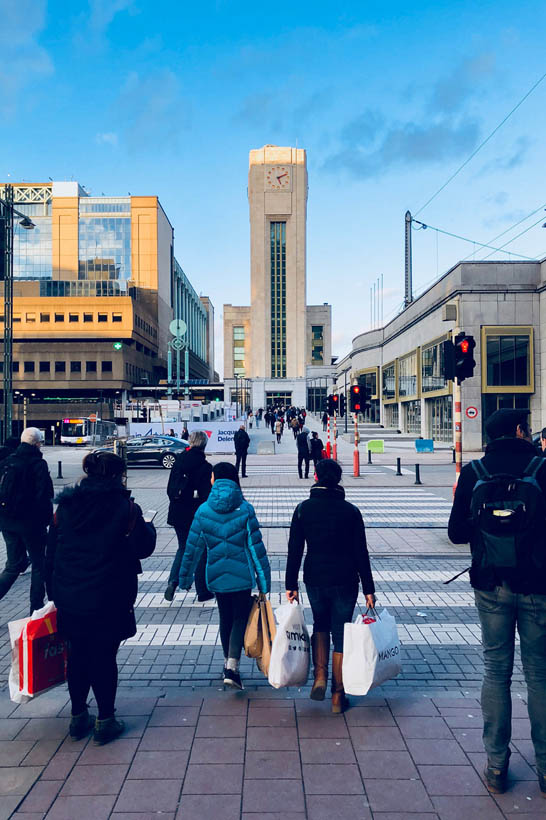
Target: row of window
x,y
146,327
31,318
60,366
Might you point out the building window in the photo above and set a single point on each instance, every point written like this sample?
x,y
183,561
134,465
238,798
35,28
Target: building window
x,y
32,249
15,367
28,367
87,317
75,367
412,414
16,317
91,367
60,367
105,249
389,382
441,418
432,368
103,317
73,317
45,317
317,344
45,367
117,317
407,375
277,241
508,361
30,317
59,317
107,367
239,351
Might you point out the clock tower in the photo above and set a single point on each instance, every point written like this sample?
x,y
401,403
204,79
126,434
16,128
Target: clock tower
x,y
277,194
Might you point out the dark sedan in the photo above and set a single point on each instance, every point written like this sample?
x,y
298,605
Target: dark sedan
x,y
157,449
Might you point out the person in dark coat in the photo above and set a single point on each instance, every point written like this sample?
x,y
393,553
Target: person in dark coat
x,y
304,454
316,447
25,527
241,440
506,598
185,434
188,487
95,544
324,421
336,560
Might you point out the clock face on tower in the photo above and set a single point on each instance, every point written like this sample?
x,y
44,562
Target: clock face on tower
x,y
278,177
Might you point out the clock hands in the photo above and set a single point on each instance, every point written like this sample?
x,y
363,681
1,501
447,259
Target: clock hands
x,y
281,176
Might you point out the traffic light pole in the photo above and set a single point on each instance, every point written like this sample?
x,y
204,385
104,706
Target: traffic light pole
x,y
328,445
334,447
458,419
356,454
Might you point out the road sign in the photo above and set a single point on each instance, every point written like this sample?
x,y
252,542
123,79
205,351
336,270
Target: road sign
x,y
178,327
471,412
92,417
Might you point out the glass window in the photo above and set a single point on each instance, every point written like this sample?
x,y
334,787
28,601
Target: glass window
x,y
407,375
508,361
412,412
317,344
75,367
45,367
29,367
107,367
441,418
389,382
32,249
45,317
103,317
432,368
15,367
239,333
277,245
87,317
91,367
116,317
60,367
59,317
105,249
73,317
16,317
30,317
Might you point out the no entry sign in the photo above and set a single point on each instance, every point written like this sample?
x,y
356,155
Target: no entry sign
x,y
471,412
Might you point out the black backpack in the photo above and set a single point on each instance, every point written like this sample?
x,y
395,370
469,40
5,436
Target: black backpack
x,y
508,514
14,491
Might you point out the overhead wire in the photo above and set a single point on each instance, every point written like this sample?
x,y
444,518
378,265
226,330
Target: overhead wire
x,y
511,228
471,241
513,240
481,145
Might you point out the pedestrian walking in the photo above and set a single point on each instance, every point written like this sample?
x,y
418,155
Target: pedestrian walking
x,y
336,559
92,564
316,447
226,528
172,433
304,454
324,421
250,419
188,487
278,430
259,415
185,434
294,425
241,440
26,509
500,509
273,420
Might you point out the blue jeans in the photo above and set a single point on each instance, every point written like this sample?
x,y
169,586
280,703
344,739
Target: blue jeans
x,y
501,611
332,607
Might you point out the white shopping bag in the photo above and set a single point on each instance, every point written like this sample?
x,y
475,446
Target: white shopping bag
x,y
289,664
371,653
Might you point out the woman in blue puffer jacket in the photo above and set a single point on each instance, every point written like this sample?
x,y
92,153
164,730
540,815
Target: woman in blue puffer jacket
x,y
227,527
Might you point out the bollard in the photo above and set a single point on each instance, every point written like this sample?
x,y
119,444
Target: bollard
x,y
398,466
454,455
417,475
369,456
59,469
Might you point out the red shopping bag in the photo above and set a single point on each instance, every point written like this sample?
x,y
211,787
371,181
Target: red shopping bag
x,y
40,655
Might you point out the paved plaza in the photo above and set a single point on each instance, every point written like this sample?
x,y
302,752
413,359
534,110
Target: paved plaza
x,y
411,749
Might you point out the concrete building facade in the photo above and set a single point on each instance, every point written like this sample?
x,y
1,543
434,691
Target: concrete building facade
x,y
278,342
501,304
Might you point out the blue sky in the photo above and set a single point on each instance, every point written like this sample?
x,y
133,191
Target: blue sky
x,y
388,100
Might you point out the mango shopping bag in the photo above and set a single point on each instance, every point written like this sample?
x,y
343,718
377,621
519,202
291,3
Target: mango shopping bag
x,y
371,652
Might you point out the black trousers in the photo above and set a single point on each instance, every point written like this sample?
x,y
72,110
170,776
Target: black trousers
x,y
20,543
92,665
303,458
234,608
241,460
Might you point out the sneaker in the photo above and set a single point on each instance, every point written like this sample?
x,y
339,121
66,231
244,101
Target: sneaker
x,y
107,730
81,725
169,592
232,679
542,783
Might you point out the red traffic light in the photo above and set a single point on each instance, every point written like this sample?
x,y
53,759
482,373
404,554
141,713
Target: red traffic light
x,y
336,399
465,345
357,408
356,388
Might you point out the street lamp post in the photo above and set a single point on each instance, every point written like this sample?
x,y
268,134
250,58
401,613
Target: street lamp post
x,y
7,218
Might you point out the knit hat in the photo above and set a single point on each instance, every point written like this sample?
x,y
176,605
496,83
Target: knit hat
x,y
225,470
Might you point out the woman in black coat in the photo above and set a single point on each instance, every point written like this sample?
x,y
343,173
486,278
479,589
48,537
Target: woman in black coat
x,y
93,554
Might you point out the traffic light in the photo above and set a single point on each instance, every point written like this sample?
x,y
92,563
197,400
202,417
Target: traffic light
x,y
464,356
333,404
342,405
355,398
449,360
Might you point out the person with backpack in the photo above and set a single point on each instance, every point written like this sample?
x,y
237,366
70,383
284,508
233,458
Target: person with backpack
x,y
26,509
303,445
336,560
226,532
241,441
500,509
94,547
188,487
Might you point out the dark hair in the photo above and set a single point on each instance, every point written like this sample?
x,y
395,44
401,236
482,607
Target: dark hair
x,y
225,470
543,433
103,465
315,434
328,472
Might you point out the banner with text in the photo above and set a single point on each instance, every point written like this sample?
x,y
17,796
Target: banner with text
x,y
220,434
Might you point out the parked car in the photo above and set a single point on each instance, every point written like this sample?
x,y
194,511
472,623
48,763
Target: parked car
x,y
158,449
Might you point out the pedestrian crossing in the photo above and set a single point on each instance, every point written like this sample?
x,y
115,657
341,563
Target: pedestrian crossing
x,y
292,470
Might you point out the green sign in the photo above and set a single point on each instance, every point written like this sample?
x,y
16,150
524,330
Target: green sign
x,y
117,345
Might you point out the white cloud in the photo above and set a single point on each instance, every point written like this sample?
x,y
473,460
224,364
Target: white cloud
x,y
107,138
24,60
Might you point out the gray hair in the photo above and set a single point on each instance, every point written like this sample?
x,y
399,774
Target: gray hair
x,y
31,435
198,439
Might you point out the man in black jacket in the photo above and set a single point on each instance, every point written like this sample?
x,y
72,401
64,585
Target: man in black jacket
x,y
304,454
506,597
189,486
336,560
25,514
241,441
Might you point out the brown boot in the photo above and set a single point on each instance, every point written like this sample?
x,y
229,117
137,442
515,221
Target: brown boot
x,y
320,644
339,701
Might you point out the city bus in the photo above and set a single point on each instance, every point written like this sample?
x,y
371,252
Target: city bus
x,y
87,431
